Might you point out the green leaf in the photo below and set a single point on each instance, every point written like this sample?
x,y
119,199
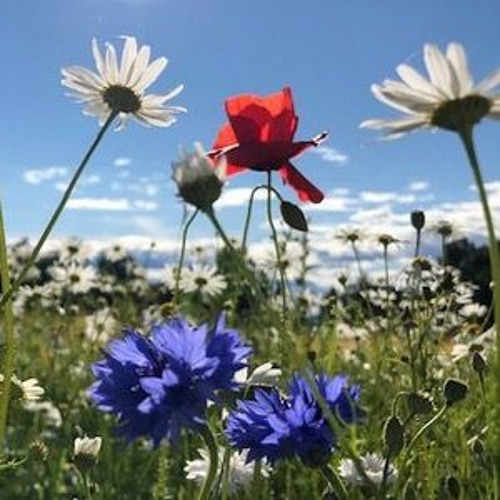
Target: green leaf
x,y
293,216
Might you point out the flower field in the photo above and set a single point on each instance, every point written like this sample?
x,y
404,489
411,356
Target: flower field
x,y
233,377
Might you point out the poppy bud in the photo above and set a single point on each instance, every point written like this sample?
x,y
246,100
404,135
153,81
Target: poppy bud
x,y
418,219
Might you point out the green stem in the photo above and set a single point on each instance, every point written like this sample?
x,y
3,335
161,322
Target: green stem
x,y
58,211
209,439
358,262
417,242
466,135
335,483
444,253
274,235
213,219
425,427
249,214
178,271
8,365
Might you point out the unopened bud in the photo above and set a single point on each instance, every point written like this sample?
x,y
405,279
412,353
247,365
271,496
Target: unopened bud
x,y
417,219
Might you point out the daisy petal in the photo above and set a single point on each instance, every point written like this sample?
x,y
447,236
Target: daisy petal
x,y
439,70
458,62
150,74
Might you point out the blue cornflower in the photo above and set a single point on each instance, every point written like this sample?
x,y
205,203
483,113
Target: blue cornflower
x,y
161,384
275,427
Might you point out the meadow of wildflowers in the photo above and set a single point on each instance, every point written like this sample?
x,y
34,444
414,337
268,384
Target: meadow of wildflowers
x,y
229,377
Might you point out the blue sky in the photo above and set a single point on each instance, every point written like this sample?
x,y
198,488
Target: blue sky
x,y
328,51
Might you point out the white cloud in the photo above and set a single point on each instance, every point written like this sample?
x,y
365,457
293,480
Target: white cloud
x,y
418,186
384,197
237,197
122,161
111,204
38,175
331,204
331,155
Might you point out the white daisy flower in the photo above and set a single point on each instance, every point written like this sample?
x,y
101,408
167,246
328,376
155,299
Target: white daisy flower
x,y
264,374
473,311
373,465
202,279
115,253
87,446
49,411
120,87
240,472
29,388
448,99
76,277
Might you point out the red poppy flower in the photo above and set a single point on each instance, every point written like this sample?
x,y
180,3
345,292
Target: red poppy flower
x,y
259,136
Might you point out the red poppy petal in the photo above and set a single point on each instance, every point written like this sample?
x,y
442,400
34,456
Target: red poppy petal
x,y
225,137
305,189
262,119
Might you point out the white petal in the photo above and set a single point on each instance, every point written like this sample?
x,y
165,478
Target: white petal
x,y
439,70
408,98
154,99
99,62
151,74
416,81
458,62
112,73
377,92
397,126
489,83
129,55
140,65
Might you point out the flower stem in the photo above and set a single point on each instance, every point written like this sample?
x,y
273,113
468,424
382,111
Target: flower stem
x,y
178,271
335,483
213,219
209,439
274,235
249,214
426,426
58,210
8,364
466,135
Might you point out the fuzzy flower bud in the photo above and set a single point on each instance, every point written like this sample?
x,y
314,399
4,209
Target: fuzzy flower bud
x,y
199,182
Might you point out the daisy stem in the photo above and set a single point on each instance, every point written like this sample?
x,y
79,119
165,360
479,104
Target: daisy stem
x,y
335,483
274,235
209,439
466,135
178,271
213,219
58,211
8,362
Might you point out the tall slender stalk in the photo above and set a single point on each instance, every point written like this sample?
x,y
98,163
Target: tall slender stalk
x,y
466,135
178,271
213,453
58,211
8,327
277,249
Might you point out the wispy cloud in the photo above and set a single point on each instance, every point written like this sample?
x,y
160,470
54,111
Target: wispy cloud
x,y
38,175
122,161
418,186
111,205
331,155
